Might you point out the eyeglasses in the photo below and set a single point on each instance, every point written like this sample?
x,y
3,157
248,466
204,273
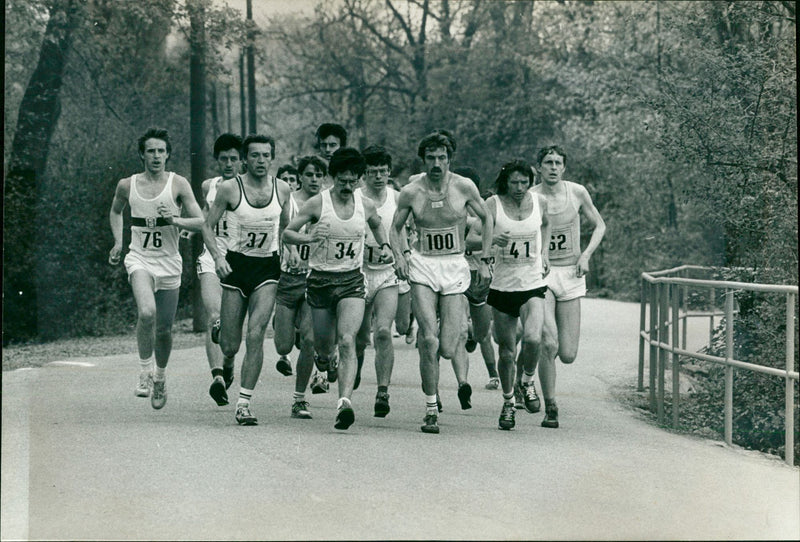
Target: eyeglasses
x,y
378,172
352,182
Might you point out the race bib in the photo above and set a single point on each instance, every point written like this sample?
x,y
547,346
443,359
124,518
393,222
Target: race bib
x,y
255,239
343,249
561,243
520,250
439,242
150,239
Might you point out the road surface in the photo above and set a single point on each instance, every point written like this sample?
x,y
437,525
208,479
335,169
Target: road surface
x,y
82,458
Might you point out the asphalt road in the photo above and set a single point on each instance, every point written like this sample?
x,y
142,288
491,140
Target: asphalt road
x,y
82,458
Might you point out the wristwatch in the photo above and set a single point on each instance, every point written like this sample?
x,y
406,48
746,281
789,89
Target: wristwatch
x,y
488,261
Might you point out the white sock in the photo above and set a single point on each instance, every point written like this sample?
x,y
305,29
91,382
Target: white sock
x,y
160,374
343,401
146,365
244,396
526,378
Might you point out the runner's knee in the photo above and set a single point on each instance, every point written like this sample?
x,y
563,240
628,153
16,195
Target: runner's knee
x,y
383,334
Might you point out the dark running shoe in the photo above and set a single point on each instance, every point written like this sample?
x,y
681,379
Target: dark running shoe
x,y
381,404
529,397
550,416
344,418
464,395
471,345
431,423
217,391
507,417
159,396
244,416
284,366
300,410
227,376
215,332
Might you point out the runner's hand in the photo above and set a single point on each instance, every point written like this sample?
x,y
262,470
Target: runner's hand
x,y
582,267
401,269
386,255
115,255
222,267
165,212
501,239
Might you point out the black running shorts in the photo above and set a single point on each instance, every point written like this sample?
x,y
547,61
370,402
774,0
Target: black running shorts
x,y
291,290
510,302
250,273
324,289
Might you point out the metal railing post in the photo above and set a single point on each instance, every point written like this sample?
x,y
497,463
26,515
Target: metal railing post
x,y
788,451
685,305
663,337
642,328
653,293
676,367
711,318
728,367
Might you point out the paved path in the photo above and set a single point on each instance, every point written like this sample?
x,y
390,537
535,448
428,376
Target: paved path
x,y
82,458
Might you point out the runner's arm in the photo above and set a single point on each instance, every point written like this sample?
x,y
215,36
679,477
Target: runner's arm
x,y
309,213
115,218
591,214
194,222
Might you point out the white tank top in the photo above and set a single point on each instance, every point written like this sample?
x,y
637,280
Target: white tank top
x,y
253,231
372,250
343,250
221,228
518,265
151,236
565,229
303,250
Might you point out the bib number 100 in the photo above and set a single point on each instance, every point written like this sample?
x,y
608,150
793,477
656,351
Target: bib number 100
x,y
438,241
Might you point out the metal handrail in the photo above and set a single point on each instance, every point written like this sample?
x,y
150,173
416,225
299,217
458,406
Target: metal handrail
x,y
666,296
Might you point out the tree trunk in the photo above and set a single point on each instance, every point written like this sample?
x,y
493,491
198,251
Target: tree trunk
x,y
197,106
38,115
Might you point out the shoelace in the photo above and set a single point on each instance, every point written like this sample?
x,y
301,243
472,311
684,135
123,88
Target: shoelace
x,y
530,392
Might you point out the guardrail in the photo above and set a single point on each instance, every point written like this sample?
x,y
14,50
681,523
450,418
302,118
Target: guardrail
x,y
666,292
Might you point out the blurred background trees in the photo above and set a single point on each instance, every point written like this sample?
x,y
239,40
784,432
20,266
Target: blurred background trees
x,y
680,118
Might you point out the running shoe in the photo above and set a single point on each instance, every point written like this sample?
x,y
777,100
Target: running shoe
x,y
431,423
333,369
227,376
244,416
319,384
215,332
530,399
464,395
519,401
345,417
300,410
284,366
550,416
217,391
321,364
381,404
411,335
493,384
143,388
506,421
471,345
159,397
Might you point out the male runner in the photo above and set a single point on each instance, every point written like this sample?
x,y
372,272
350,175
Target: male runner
x,y
518,285
288,173
435,266
227,154
153,263
291,310
479,312
330,138
251,268
381,279
566,202
335,285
